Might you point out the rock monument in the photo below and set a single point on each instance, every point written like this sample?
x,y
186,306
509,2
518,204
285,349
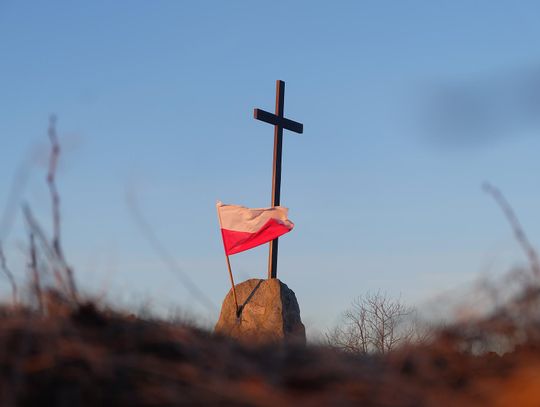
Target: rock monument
x,y
261,311
269,312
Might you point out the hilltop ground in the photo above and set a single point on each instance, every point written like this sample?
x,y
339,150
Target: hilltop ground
x,y
92,357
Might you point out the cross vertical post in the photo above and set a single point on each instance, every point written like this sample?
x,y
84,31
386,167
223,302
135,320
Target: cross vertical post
x,y
276,173
279,123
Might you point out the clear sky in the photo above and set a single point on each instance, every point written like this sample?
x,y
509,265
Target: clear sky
x,y
407,108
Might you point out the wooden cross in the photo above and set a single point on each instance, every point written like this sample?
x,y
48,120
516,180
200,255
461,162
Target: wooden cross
x,y
279,123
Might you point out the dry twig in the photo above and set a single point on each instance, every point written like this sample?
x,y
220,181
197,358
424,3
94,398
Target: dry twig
x,y
519,233
165,256
35,273
56,263
55,198
9,275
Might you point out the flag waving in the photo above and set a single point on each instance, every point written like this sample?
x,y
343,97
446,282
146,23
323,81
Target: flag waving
x,y
245,228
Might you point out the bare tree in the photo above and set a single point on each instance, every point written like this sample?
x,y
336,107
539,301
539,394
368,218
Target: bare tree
x,y
375,323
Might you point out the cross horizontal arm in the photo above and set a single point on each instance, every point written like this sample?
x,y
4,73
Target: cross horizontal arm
x,y
271,118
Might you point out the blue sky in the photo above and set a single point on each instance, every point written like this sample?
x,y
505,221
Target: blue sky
x,y
155,99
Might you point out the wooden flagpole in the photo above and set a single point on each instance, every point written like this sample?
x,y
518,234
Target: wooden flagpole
x,y
230,271
232,283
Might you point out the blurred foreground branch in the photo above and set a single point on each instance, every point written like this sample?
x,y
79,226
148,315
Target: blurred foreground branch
x,y
9,275
151,237
36,281
519,233
55,199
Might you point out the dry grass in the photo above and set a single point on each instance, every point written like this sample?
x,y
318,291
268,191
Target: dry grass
x,y
92,357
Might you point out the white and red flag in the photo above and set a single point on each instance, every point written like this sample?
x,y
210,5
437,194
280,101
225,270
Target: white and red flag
x,y
245,228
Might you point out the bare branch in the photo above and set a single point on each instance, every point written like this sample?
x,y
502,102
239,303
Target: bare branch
x,y
56,263
35,273
55,199
18,185
9,275
519,233
51,182
164,255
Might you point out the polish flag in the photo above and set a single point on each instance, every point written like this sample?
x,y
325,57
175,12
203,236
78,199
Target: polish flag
x,y
245,228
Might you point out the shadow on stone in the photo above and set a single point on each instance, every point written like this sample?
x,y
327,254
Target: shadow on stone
x,y
249,297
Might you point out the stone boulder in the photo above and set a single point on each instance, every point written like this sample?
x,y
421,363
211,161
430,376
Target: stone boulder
x,y
269,312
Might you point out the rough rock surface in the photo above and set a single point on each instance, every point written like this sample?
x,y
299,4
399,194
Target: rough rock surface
x,y
269,313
